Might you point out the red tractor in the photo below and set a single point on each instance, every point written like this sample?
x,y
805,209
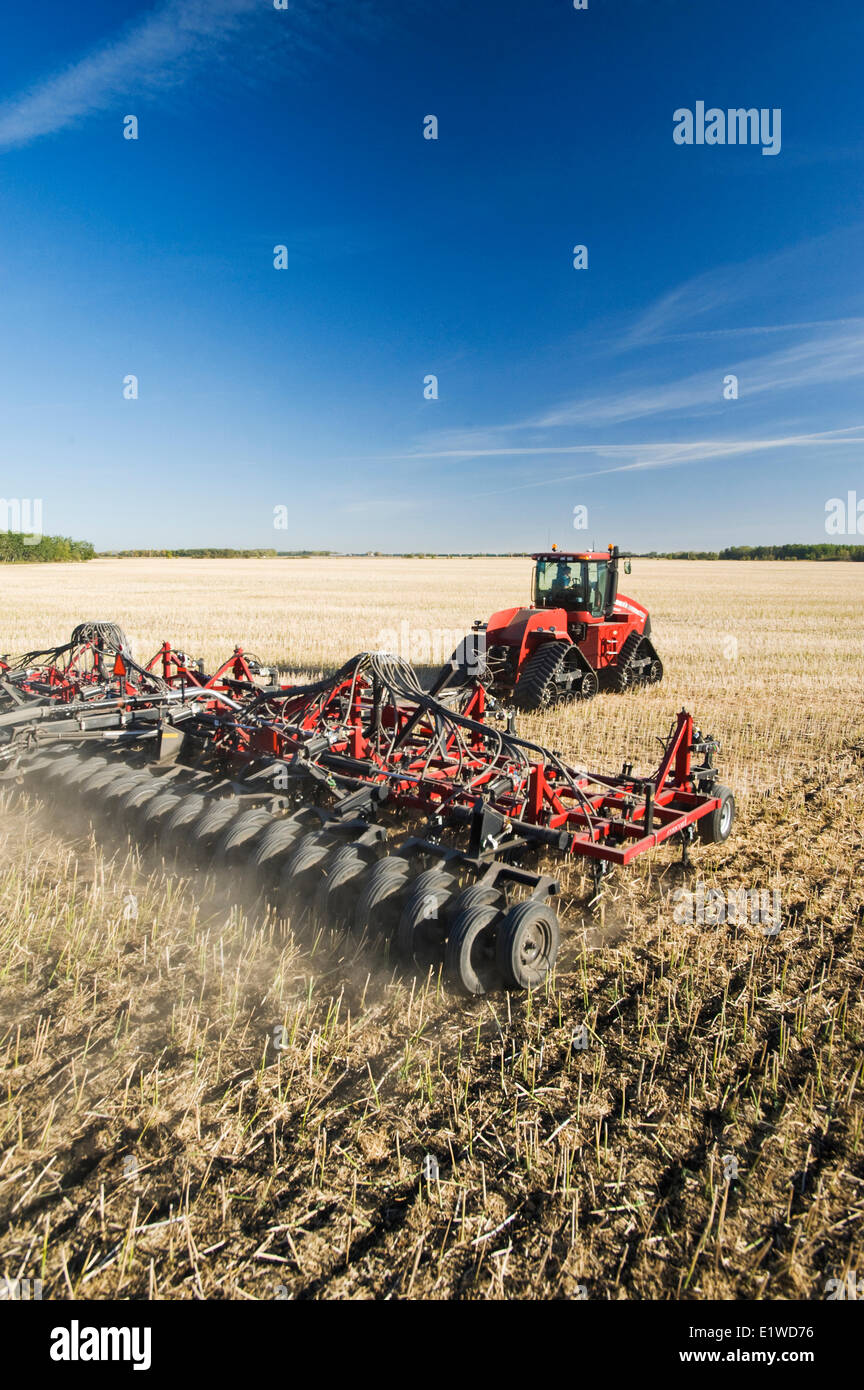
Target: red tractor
x,y
579,633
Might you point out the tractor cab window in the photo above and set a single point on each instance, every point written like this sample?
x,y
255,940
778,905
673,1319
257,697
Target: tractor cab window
x,y
558,584
578,585
595,585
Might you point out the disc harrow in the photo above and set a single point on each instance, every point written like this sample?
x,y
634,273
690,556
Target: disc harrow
x,y
416,818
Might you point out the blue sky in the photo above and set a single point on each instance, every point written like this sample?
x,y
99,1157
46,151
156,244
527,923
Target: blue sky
x,y
303,387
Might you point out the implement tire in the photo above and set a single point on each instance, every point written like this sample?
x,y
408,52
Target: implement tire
x,y
717,827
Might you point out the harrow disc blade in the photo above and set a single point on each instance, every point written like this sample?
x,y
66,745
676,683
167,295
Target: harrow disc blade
x,y
210,824
56,769
188,808
89,765
116,790
96,782
422,930
32,764
338,889
154,812
274,846
131,801
233,844
301,871
379,906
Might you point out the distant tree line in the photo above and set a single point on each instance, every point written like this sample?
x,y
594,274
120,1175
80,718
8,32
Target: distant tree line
x,y
764,552
210,553
731,552
16,548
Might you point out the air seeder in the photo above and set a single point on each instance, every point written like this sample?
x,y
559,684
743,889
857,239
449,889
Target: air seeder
x,y
360,800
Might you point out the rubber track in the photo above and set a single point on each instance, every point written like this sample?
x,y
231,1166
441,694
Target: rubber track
x,y
538,676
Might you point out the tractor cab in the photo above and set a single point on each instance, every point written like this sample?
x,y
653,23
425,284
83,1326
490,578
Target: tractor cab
x,y
584,583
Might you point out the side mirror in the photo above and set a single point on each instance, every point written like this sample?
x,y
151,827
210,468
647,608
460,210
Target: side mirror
x,y
627,567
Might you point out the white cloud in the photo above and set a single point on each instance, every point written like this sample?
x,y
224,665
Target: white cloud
x,y
724,286
652,453
634,458
159,52
821,360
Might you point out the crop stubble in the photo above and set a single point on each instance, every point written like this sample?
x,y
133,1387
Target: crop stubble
x,y
154,1143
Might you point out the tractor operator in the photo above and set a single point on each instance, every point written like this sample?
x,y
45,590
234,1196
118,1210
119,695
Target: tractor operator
x,y
566,585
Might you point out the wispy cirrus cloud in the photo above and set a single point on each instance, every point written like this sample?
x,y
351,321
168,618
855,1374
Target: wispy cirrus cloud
x,y
806,356
623,458
835,355
157,53
832,356
636,458
648,453
757,330
693,308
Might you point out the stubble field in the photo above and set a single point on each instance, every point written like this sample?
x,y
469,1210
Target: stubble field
x,y
709,1140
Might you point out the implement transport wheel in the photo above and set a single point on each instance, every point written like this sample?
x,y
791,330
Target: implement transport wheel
x,y
527,944
132,777
380,904
469,957
422,930
74,765
717,827
476,894
537,687
188,809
